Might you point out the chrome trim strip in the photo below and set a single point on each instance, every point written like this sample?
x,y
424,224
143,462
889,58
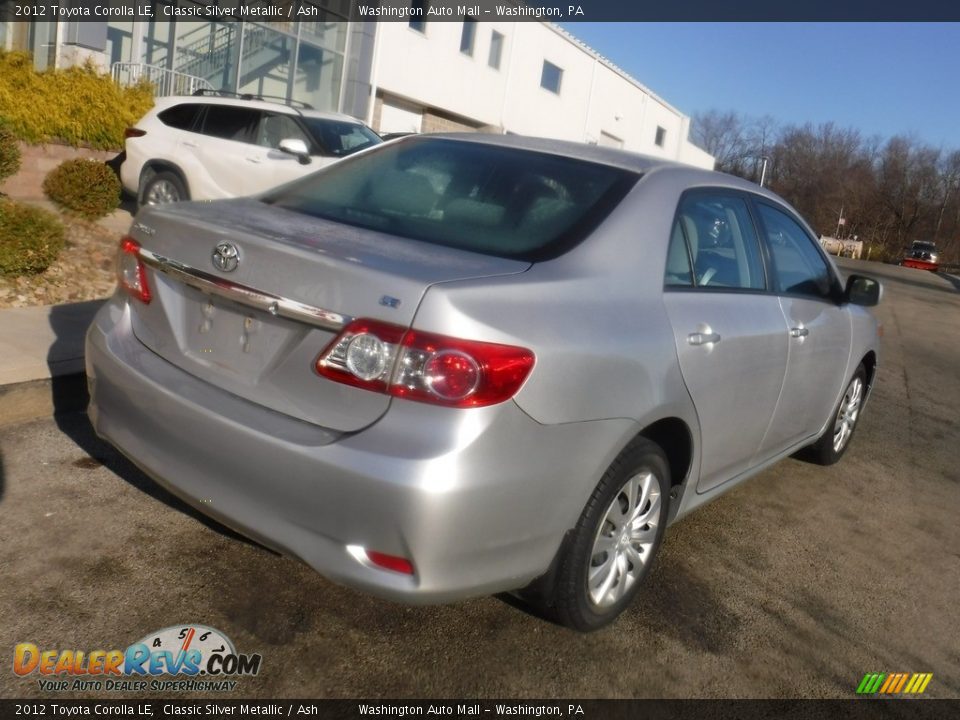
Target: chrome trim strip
x,y
273,304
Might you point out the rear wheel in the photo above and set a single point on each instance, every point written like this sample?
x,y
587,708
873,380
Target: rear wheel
x,y
613,545
836,439
162,188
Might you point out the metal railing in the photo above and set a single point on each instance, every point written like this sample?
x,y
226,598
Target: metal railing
x,y
165,82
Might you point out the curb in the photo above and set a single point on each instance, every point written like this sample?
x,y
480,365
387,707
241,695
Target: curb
x,y
35,399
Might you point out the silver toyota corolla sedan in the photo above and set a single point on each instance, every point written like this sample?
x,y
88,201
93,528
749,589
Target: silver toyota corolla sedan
x,y
456,365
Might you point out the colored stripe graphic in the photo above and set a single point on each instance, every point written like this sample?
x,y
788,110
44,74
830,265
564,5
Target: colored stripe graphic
x,y
894,683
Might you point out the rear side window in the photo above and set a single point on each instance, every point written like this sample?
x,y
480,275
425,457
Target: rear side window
x,y
483,198
231,123
721,242
181,117
798,268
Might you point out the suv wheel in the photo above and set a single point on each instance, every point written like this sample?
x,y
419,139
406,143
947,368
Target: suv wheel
x,y
613,545
162,188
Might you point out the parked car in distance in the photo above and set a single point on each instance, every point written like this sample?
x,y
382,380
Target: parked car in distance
x,y
211,147
463,364
923,256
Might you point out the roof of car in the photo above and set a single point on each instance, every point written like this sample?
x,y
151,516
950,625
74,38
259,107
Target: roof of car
x,y
165,102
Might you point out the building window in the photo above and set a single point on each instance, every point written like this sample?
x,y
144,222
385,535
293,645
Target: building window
x,y
661,136
550,77
496,50
418,15
467,35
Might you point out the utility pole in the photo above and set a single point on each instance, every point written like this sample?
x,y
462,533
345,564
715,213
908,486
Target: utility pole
x,y
839,221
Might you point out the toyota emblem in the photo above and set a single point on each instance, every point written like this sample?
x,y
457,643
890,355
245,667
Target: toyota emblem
x,y
226,257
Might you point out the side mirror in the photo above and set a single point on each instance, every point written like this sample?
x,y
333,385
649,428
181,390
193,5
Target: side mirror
x,y
863,290
297,148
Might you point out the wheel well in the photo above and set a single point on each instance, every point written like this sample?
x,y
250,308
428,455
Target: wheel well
x,y
673,437
154,167
870,365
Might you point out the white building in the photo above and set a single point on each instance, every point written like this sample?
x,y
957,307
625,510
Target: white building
x,y
527,77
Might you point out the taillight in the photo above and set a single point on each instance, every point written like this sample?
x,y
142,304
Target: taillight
x,y
131,274
133,132
425,366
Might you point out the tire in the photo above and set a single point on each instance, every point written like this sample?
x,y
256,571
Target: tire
x,y
605,560
836,438
163,188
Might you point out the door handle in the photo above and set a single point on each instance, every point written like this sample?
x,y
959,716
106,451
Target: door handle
x,y
190,144
799,332
253,159
699,338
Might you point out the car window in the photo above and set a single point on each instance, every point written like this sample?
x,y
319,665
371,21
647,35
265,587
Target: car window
x,y
678,272
340,137
181,117
797,266
721,241
231,123
275,127
469,195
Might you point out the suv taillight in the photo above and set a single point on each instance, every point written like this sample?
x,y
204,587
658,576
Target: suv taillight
x,y
131,274
423,366
133,132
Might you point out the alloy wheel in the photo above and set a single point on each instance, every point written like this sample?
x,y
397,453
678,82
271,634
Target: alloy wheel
x,y
848,414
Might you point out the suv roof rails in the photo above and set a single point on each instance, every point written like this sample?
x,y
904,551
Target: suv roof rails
x,y
295,104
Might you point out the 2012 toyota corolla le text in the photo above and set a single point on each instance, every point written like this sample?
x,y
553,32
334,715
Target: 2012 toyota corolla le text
x,y
456,365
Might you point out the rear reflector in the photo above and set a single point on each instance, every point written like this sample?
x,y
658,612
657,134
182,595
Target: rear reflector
x,y
131,274
380,561
425,367
133,132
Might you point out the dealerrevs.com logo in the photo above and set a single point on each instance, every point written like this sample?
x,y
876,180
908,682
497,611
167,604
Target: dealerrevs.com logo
x,y
181,657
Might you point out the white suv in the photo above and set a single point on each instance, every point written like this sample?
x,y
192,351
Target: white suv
x,y
210,147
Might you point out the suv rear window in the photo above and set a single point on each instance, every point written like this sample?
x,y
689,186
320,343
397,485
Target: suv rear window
x,y
181,117
493,200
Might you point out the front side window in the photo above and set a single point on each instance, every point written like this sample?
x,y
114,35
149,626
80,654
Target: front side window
x,y
721,243
468,35
231,122
275,127
551,77
798,268
468,195
340,138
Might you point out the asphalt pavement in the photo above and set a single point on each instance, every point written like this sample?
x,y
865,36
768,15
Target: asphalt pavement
x,y
795,584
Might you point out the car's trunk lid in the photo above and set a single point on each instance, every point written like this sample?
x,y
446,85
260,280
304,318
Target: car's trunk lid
x,y
257,330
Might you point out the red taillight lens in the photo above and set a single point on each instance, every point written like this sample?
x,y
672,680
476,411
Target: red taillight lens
x,y
131,274
425,366
133,132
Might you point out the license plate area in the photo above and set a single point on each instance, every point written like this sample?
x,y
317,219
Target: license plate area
x,y
234,338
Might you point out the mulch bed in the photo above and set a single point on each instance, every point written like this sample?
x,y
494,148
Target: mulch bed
x,y
84,270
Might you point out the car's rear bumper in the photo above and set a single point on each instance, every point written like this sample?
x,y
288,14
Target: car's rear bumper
x,y
478,500
920,264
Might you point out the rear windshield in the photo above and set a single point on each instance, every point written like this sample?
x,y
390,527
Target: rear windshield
x,y
925,246
493,200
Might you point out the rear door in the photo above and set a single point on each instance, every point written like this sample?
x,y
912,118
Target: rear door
x,y
226,151
730,334
819,330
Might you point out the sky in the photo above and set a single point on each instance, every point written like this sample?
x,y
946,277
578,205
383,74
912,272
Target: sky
x,y
880,78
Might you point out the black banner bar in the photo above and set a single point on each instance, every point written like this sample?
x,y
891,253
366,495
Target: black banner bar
x,y
853,709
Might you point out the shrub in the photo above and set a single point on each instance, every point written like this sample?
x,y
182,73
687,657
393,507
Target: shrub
x,y
76,106
30,238
87,187
9,154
